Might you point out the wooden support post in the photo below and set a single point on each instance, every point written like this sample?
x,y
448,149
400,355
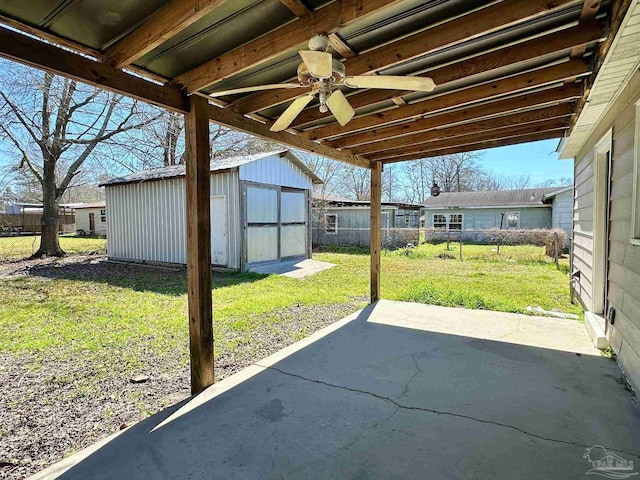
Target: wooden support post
x,y
375,228
199,244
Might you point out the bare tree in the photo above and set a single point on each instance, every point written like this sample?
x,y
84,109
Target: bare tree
x,y
390,183
514,182
355,182
55,125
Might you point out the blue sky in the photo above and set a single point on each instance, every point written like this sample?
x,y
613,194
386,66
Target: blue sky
x,y
537,159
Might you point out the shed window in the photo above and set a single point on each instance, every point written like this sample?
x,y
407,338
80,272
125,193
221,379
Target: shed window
x,y
331,223
513,220
635,213
455,221
439,221
103,215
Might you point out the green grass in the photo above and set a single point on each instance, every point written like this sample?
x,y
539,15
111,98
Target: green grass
x,y
13,248
71,311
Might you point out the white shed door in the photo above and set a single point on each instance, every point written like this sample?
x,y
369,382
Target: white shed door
x,y
219,241
262,224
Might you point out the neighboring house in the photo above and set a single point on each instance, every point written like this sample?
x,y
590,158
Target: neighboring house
x,y
605,148
527,208
260,212
341,221
91,218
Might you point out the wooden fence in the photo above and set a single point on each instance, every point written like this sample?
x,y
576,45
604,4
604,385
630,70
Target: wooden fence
x,y
31,223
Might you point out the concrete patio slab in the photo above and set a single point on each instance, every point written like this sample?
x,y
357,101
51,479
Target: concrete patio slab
x,y
397,390
293,268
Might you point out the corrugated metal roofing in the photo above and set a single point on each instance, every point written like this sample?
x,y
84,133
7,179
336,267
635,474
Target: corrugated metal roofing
x,y
215,166
494,198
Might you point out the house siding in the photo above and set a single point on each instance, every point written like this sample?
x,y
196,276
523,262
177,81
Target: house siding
x,y
483,218
82,221
623,262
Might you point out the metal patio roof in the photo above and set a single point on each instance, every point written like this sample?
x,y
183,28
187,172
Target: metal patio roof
x,y
507,71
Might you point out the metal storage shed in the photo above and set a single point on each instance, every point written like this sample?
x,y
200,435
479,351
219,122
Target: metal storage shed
x,y
260,212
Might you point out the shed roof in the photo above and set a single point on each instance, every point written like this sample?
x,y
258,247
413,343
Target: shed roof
x,y
217,165
527,197
337,202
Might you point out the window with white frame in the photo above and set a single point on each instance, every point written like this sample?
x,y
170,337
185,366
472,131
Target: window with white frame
x,y
439,221
455,221
513,220
635,210
103,215
331,223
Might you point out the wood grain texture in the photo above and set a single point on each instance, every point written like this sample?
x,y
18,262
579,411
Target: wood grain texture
x,y
479,146
529,101
242,123
432,39
531,117
328,19
508,56
35,53
543,76
481,136
198,177
157,29
298,8
374,229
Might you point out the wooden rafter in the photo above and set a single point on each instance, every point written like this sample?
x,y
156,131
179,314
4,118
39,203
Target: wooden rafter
x,y
159,27
508,56
340,46
481,136
328,19
462,28
536,78
479,146
526,101
529,117
298,8
35,53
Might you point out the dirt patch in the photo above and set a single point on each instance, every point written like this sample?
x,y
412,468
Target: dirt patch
x,y
52,407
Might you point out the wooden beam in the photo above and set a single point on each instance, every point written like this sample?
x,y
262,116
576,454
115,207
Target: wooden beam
x,y
157,29
496,123
526,101
541,77
35,53
481,136
198,177
340,46
508,56
298,8
476,23
328,19
244,124
589,11
375,225
479,146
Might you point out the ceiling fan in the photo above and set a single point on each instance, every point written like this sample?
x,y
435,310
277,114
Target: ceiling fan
x,y
320,71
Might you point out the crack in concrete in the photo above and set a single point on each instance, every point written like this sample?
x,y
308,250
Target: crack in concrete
x,y
443,412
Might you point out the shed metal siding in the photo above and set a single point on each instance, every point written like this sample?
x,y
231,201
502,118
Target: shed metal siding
x,y
623,279
148,219
275,170
483,218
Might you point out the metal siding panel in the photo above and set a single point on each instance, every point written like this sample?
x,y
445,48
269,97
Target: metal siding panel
x,y
262,244
275,170
293,207
293,240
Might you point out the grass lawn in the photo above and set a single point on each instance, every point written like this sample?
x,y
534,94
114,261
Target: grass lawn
x,y
75,330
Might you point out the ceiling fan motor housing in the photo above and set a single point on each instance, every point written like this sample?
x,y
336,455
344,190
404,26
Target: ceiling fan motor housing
x,y
305,78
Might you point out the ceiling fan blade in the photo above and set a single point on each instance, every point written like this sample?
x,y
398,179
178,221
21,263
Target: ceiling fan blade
x,y
291,113
418,84
319,63
340,107
255,88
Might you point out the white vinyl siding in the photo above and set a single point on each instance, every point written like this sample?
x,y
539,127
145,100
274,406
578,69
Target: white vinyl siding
x,y
635,206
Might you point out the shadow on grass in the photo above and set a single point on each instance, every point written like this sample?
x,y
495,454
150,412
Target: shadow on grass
x,y
137,277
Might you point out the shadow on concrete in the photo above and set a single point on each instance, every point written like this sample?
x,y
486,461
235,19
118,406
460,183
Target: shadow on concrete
x,y
368,398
